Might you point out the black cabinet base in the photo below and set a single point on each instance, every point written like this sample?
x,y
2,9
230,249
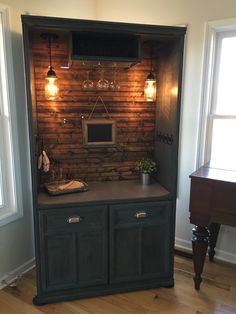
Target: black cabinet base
x,y
41,300
38,301
169,286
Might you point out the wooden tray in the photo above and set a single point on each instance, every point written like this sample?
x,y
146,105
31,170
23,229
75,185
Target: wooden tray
x,y
53,187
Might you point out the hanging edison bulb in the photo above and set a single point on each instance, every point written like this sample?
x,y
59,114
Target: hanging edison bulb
x,y
150,82
150,88
51,87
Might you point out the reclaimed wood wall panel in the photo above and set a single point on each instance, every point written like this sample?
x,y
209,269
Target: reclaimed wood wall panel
x,y
60,122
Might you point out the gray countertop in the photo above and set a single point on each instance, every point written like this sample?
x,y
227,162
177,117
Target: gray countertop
x,y
106,192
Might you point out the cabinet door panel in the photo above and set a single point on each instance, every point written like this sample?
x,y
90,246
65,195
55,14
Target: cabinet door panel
x,y
126,254
168,112
140,247
73,255
155,242
92,257
60,261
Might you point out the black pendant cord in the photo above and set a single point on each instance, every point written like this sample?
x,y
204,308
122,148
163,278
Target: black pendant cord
x,y
151,57
50,51
151,76
50,37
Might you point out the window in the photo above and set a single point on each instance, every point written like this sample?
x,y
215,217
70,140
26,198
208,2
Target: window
x,y
219,97
10,186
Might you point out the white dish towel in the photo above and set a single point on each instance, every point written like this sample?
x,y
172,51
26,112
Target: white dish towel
x,y
43,161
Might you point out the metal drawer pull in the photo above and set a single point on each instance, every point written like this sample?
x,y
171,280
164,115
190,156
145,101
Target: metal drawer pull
x,y
74,219
141,214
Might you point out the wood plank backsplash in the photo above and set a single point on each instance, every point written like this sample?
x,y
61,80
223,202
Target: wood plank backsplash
x,y
60,122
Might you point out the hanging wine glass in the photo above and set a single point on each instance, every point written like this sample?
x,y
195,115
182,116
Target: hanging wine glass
x,y
102,83
87,84
114,85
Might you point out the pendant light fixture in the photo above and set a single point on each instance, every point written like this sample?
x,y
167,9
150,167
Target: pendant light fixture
x,y
150,83
51,87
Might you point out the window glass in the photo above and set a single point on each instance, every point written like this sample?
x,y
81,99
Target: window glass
x,y
10,181
226,87
1,192
1,120
223,150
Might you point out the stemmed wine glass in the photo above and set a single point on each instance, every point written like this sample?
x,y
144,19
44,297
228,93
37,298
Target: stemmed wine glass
x,y
114,85
102,83
87,84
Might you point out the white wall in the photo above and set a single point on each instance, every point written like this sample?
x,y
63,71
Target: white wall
x,y
16,239
194,14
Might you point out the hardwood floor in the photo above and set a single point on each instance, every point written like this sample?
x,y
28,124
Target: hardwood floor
x,y
217,295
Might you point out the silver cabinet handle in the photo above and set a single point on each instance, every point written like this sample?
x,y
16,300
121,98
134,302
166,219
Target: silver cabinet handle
x,y
141,214
74,219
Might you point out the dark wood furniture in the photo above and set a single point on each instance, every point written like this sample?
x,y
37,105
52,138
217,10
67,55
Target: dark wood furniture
x,y
118,235
212,203
114,237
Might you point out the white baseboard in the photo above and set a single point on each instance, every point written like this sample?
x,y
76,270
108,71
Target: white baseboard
x,y
17,273
220,254
225,256
183,244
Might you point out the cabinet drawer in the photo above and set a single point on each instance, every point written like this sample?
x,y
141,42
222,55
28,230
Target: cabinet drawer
x,y
140,212
82,217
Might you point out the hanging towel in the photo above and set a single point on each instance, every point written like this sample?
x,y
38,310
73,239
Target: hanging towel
x,y
43,161
46,162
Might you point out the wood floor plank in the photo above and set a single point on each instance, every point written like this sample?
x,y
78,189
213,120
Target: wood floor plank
x,y
216,296
63,308
101,306
120,300
10,304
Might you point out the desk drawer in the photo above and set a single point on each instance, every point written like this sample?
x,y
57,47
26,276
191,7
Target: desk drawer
x,y
223,203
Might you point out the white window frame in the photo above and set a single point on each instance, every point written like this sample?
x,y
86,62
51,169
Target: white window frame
x,y
12,208
212,31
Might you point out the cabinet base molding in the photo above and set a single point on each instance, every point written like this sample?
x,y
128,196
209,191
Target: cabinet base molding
x,y
41,300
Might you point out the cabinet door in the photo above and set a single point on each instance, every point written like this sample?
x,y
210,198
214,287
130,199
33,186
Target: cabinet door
x,y
58,260
141,241
73,250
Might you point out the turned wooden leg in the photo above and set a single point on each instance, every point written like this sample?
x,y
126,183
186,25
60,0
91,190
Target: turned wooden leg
x,y
214,231
199,244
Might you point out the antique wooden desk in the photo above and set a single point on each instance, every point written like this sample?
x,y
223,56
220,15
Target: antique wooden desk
x,y
212,203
